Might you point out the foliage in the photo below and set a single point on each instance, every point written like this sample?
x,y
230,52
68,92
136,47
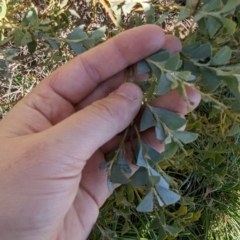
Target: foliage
x,y
191,190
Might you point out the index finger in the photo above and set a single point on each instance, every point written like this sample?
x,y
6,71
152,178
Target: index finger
x,y
78,78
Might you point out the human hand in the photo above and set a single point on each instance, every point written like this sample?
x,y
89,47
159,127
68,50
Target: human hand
x,y
53,140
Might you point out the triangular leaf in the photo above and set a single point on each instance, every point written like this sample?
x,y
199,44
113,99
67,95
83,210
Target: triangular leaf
x,y
214,25
154,155
121,160
164,85
169,197
162,235
162,181
173,63
117,176
210,79
140,177
202,52
171,119
147,203
31,17
156,71
172,230
147,120
27,38
141,161
189,49
170,150
229,26
222,57
155,223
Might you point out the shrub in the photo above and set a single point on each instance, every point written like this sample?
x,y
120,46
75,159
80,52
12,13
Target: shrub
x,y
200,164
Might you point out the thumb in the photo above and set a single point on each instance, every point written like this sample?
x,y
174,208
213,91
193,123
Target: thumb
x,y
80,135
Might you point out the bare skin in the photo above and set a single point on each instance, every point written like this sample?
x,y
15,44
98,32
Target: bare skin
x,y
53,140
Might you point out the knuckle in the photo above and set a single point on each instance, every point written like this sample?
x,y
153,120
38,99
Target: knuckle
x,y
107,112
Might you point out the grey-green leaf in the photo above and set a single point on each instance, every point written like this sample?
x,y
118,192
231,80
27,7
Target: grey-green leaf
x,y
78,49
18,36
233,84
210,79
142,67
230,5
189,49
141,161
160,133
172,230
202,52
211,5
162,233
147,120
185,136
53,44
184,13
171,119
173,63
229,26
31,17
154,155
122,162
169,197
164,85
27,38
170,150
117,176
160,56
140,177
147,203
77,34
214,25
222,57
162,182
99,33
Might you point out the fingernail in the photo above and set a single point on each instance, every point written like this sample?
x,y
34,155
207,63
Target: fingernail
x,y
128,90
